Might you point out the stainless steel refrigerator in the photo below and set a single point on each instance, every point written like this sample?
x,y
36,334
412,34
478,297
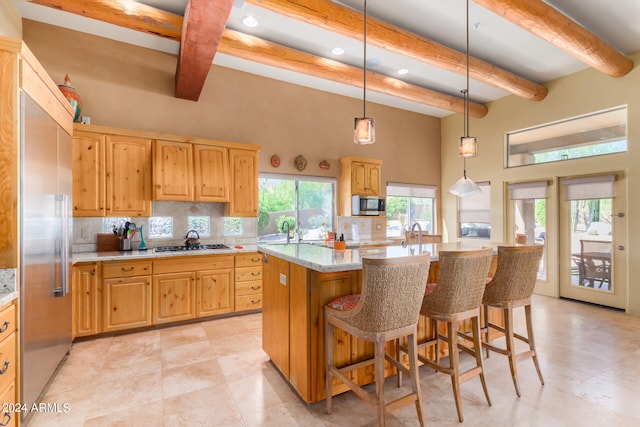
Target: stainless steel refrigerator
x,y
45,249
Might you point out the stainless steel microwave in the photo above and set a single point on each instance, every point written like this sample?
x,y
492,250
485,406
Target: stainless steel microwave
x,y
367,205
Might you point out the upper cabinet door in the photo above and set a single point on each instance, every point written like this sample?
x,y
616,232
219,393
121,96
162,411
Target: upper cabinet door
x,y
172,171
88,167
128,176
211,173
244,183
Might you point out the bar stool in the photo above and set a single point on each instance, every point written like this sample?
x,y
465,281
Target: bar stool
x,y
387,309
512,287
457,296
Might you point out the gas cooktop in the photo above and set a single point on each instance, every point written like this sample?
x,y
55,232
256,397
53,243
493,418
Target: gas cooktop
x,y
190,248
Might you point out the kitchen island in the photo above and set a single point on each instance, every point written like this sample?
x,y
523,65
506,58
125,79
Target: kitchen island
x,y
299,280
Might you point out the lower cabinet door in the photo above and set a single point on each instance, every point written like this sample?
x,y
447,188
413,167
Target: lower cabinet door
x,y
8,417
173,297
126,303
214,292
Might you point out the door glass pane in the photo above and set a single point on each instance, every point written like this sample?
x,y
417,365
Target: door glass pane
x,y
276,206
531,220
315,209
591,241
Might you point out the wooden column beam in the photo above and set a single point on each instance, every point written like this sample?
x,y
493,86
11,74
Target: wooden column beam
x,y
204,23
549,24
342,20
252,48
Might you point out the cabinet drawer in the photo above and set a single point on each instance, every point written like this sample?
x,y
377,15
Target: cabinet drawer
x,y
251,287
8,418
248,302
248,260
189,263
248,273
7,321
7,361
126,268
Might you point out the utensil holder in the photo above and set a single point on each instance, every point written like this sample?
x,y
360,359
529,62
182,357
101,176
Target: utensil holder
x,y
124,244
339,245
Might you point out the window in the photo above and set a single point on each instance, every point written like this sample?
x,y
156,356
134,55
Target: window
x,y
232,226
160,227
408,203
594,134
110,223
530,207
202,224
475,213
306,204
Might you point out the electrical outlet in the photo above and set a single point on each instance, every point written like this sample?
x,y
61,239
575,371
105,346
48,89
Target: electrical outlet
x,y
84,233
378,227
363,225
283,279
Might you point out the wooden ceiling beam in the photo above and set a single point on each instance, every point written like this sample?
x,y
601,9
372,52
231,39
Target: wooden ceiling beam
x,y
254,49
202,28
549,24
348,22
123,13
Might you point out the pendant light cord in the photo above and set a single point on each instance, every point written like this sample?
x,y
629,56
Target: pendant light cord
x,y
364,86
466,92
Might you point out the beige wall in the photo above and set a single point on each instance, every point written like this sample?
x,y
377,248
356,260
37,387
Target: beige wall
x,y
10,21
131,87
581,93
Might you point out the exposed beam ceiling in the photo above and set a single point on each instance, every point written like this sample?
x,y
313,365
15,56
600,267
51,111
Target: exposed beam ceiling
x,y
547,23
348,22
204,23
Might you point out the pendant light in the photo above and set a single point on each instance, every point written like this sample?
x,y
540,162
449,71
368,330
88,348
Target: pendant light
x,y
468,146
364,129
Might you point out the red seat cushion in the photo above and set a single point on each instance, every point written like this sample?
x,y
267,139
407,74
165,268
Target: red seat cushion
x,y
430,288
345,303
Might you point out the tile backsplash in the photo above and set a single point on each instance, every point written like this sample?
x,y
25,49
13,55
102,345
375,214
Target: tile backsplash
x,y
372,228
85,230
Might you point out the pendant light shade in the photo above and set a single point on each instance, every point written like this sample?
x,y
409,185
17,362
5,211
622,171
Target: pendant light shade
x,y
464,187
364,129
468,146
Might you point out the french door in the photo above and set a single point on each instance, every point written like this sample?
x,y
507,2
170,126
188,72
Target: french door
x,y
592,239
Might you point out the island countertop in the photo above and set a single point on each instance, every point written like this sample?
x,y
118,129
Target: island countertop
x,y
327,260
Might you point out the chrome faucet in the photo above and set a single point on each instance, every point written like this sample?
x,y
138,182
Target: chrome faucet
x,y
288,227
413,234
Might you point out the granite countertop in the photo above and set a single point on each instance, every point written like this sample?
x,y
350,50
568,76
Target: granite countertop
x,y
7,285
151,254
327,260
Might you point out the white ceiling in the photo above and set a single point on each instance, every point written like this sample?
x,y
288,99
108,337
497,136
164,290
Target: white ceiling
x,y
492,39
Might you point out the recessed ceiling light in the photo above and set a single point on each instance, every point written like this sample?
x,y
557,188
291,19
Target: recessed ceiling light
x,y
337,51
250,21
403,71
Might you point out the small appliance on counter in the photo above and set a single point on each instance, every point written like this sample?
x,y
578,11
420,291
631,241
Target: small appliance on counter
x,y
367,205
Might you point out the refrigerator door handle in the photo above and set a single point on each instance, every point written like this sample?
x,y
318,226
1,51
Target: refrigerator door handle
x,y
63,200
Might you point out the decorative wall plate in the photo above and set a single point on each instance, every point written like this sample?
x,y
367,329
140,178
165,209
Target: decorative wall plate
x,y
275,160
324,165
300,162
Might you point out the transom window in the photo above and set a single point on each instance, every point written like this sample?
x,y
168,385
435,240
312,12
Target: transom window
x,y
595,134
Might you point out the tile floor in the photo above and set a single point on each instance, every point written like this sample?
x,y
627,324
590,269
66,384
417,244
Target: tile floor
x,y
214,373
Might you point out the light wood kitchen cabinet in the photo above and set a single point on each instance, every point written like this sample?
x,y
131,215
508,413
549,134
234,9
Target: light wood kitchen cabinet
x,y
126,296
184,171
243,200
88,165
111,174
214,292
275,312
173,171
248,281
173,297
8,358
128,176
211,173
358,176
85,293
210,293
